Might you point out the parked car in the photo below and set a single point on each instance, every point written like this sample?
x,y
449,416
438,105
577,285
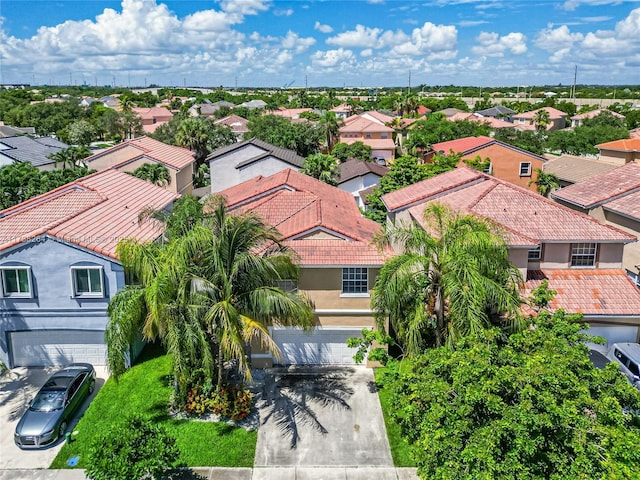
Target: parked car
x,y
54,406
627,355
598,359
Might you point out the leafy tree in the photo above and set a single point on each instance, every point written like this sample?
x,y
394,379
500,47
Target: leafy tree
x,y
583,139
331,124
322,167
436,129
632,119
81,132
531,406
130,124
135,449
155,173
357,150
451,278
604,119
305,138
545,182
405,171
526,140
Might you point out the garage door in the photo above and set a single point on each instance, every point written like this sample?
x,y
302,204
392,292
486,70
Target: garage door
x,y
614,333
37,348
322,346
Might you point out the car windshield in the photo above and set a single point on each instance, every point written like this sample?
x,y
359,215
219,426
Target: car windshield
x,y
48,401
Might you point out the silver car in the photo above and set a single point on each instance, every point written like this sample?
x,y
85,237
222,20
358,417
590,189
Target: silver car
x,y
54,406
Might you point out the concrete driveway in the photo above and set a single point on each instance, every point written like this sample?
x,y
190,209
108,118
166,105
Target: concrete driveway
x,y
17,388
321,417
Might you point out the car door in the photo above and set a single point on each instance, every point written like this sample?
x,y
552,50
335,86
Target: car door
x,y
74,396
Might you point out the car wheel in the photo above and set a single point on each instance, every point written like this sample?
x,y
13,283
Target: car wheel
x,y
62,429
92,386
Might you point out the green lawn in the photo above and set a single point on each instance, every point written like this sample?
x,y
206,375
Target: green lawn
x,y
400,449
145,389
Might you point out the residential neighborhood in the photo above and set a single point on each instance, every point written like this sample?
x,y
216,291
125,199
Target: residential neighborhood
x,y
296,280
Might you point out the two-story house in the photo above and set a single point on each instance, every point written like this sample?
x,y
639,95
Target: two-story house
x,y
578,120
371,129
358,176
620,152
153,117
526,120
508,162
333,246
59,270
580,256
132,154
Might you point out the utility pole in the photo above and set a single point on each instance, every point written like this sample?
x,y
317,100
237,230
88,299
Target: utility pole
x,y
575,77
409,89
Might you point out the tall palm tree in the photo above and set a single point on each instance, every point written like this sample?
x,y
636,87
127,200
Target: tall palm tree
x,y
322,167
545,182
451,278
331,124
70,157
125,103
193,133
155,173
541,119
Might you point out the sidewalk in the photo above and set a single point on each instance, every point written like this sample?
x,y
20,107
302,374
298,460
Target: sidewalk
x,y
259,473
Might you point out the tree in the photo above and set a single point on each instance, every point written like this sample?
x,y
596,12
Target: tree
x,y
330,123
70,157
541,119
194,135
451,278
528,406
322,167
357,150
135,449
130,124
545,182
155,173
81,132
125,103
527,140
304,138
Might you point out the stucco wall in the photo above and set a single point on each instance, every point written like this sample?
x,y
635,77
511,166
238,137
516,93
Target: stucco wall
x,y
265,167
631,255
558,255
107,161
53,305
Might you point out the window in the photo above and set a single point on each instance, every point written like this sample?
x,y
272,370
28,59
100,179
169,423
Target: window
x,y
488,169
355,280
634,277
384,135
286,285
535,253
16,281
87,281
583,255
525,169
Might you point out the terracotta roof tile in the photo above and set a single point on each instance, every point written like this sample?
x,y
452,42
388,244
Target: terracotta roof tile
x,y
591,292
337,252
463,144
628,205
600,188
625,145
94,212
553,113
576,169
357,124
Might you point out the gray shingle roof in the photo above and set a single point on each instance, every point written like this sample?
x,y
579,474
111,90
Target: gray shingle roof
x,y
32,150
283,154
496,111
356,168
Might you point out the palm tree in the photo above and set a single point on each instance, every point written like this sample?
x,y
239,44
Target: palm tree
x,y
155,173
451,278
193,133
125,103
322,167
541,119
70,157
331,124
545,182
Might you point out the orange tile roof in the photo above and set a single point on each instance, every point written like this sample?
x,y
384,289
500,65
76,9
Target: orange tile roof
x,y
601,188
357,124
374,143
591,292
628,205
553,113
94,212
625,145
146,147
462,145
299,207
525,215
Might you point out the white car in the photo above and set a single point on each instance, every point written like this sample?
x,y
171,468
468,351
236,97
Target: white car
x,y
627,356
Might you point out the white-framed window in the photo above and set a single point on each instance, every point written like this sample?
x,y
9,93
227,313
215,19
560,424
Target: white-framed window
x,y
535,253
583,254
16,281
87,281
525,169
355,281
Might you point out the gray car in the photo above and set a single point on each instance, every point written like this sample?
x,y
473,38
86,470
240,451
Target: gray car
x,y
54,406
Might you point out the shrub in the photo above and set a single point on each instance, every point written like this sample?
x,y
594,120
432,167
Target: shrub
x,y
134,449
229,401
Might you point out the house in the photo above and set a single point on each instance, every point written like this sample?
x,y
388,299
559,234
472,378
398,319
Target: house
x,y
237,124
131,154
59,269
580,256
254,104
526,120
612,197
577,120
450,112
208,109
620,152
290,113
10,131
242,161
357,176
492,122
342,111
508,162
153,117
572,169
370,128
498,111
35,151
333,246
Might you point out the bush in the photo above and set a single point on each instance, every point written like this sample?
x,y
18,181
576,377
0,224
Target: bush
x,y
135,449
231,402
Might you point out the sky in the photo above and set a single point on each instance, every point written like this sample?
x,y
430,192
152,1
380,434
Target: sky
x,y
315,43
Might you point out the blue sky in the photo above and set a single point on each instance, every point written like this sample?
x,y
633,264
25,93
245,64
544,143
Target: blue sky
x,y
322,43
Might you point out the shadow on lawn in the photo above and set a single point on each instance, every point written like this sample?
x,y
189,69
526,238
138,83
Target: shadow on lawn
x,y
288,397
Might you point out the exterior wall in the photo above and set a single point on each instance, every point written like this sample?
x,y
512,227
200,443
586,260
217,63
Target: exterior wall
x,y
53,305
265,167
518,257
616,157
355,185
113,158
631,255
558,255
183,180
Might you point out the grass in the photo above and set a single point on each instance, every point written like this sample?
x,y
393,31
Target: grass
x,y
145,389
400,448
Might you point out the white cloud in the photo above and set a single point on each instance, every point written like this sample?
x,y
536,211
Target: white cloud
x,y
361,37
333,58
471,23
323,28
434,41
493,45
283,13
367,52
552,39
296,43
571,5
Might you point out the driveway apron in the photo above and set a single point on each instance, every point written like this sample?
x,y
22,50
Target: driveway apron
x,y
321,416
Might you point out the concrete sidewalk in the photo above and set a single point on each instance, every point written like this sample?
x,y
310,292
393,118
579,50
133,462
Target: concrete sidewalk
x,y
259,473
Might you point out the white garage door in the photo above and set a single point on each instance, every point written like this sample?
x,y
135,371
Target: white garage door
x,y
37,348
614,333
321,346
